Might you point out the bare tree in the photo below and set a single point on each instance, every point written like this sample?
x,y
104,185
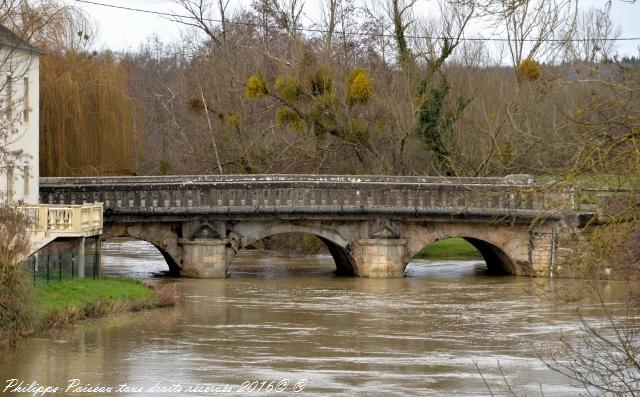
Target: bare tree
x,y
535,29
377,25
594,37
283,14
401,14
330,10
605,360
447,29
200,15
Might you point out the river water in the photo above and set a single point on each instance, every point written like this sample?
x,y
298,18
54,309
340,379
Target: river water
x,y
288,321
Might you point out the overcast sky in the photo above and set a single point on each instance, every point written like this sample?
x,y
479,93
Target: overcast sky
x,y
120,29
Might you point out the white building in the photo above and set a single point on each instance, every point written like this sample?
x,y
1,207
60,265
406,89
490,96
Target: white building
x,y
19,119
20,155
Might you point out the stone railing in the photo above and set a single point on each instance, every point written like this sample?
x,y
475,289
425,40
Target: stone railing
x,y
307,194
72,220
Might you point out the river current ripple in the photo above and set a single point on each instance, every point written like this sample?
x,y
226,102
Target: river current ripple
x,y
283,317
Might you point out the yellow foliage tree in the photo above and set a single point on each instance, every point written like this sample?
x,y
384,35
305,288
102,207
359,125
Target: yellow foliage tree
x,y
85,116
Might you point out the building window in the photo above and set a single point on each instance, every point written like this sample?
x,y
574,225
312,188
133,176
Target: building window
x,y
9,98
25,180
25,111
10,184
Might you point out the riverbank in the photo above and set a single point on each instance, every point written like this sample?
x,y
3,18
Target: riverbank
x,y
62,303
451,248
59,303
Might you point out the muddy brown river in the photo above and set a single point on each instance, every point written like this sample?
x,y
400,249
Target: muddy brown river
x,y
285,325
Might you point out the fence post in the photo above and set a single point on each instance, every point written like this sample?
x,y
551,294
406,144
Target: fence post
x,y
72,261
33,268
48,260
60,267
96,257
80,246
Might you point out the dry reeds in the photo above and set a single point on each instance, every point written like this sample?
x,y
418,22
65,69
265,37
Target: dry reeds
x,y
166,295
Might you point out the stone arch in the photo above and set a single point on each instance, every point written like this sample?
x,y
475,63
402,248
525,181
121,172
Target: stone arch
x,y
160,235
496,259
499,245
338,246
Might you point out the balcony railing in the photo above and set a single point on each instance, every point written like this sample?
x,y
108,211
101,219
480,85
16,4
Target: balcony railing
x,y
65,220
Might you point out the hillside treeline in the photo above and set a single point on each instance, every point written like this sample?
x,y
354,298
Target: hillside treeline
x,y
372,89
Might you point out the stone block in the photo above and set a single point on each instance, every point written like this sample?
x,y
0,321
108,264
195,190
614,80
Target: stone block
x,y
204,258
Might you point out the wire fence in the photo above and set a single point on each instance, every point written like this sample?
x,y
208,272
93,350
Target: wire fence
x,y
51,268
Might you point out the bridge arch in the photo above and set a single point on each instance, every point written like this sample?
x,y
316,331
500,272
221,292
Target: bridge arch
x,y
496,244
496,259
337,245
161,236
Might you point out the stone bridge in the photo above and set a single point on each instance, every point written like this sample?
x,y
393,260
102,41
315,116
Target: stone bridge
x,y
371,225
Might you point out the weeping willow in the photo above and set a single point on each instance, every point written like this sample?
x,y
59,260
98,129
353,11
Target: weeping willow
x,y
86,124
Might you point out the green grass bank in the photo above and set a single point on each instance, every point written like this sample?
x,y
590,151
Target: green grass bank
x,y
64,302
56,296
58,304
451,248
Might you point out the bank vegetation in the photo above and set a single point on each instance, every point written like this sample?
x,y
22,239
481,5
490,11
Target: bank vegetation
x,y
27,309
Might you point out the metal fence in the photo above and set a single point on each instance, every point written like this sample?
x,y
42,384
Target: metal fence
x,y
64,266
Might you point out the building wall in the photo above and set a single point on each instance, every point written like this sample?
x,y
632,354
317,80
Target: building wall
x,y
19,176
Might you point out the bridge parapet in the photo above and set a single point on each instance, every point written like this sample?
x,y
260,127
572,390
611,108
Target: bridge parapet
x,y
519,179
371,225
237,194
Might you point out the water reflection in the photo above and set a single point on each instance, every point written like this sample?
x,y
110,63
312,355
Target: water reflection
x,y
122,257
280,317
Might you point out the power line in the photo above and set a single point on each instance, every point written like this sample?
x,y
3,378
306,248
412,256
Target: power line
x,y
177,17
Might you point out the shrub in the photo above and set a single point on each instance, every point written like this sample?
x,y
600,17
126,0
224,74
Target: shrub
x,y
286,116
15,297
256,88
360,86
167,295
322,81
234,119
163,167
288,88
615,246
195,105
358,132
529,70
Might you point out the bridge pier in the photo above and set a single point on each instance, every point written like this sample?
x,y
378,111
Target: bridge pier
x,y
204,258
380,258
